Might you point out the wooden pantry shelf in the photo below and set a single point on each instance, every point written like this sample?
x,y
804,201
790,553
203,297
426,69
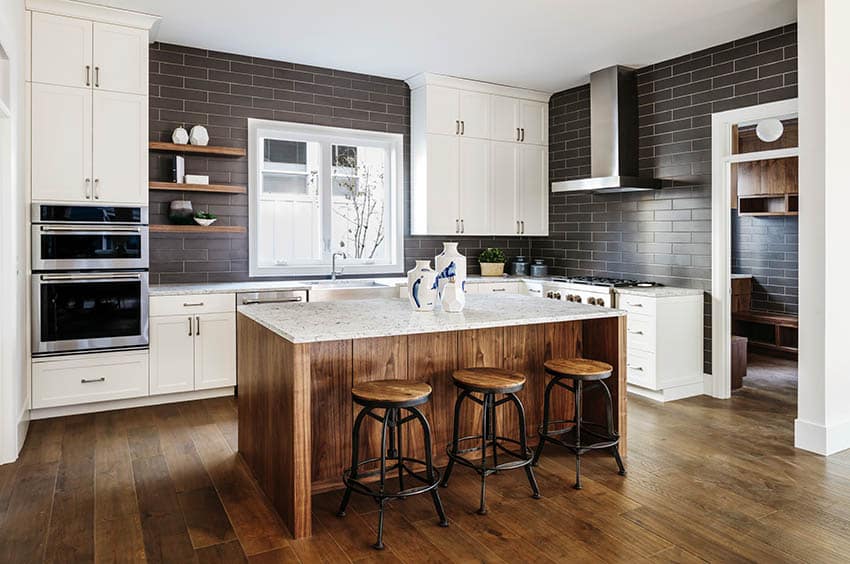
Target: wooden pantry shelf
x,y
197,229
220,188
197,149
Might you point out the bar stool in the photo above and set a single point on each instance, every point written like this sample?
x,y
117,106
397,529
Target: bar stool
x,y
392,396
489,382
579,370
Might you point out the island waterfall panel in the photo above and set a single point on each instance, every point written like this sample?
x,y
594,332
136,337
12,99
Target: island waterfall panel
x,y
296,412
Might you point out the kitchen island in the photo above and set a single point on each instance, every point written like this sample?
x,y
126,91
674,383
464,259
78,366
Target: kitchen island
x,y
297,364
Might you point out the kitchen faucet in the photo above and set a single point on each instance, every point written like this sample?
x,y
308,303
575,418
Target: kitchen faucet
x,y
333,264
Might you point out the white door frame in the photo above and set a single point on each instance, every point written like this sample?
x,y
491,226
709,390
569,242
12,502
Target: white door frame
x,y
721,270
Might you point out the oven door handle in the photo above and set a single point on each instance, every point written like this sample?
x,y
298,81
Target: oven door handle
x,y
89,277
89,230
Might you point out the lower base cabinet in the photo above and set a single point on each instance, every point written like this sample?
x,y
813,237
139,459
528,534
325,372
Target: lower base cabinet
x,y
193,346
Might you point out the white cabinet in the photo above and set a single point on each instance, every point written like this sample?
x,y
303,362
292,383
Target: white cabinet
x,y
79,379
193,342
120,152
61,50
497,287
89,105
61,143
479,158
120,61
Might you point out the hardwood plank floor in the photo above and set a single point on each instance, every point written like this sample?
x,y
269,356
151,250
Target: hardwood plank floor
x,y
708,480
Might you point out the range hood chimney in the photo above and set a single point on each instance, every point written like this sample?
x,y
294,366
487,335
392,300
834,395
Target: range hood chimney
x,y
613,136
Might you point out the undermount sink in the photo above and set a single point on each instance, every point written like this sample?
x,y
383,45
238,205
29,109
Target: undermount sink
x,y
346,284
362,289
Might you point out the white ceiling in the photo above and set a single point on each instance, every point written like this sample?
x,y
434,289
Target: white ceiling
x,y
544,44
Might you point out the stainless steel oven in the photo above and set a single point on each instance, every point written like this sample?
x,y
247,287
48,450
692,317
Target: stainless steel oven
x,y
87,311
89,238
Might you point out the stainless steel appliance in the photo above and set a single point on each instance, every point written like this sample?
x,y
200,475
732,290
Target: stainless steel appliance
x,y
90,279
592,290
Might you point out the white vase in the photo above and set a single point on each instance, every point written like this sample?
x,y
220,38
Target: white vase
x,y
198,135
179,136
454,298
450,264
421,287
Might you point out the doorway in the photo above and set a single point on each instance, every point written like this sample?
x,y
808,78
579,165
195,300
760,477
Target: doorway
x,y
754,196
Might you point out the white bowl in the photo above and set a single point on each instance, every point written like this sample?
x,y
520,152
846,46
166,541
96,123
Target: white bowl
x,y
205,222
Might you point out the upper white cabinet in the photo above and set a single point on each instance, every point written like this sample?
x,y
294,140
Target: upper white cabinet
x,y
88,103
479,158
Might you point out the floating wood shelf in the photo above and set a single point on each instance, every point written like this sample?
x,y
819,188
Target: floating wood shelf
x,y
220,188
197,229
765,205
197,149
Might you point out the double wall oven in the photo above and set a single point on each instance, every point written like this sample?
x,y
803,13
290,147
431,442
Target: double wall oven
x,y
90,278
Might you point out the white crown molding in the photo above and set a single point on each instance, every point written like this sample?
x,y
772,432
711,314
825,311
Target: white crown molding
x,y
431,79
86,11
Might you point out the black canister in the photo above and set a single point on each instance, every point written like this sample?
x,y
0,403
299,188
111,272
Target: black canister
x,y
519,266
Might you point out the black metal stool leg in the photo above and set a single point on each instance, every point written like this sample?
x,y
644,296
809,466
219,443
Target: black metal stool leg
x,y
546,398
609,412
578,400
523,446
355,448
455,438
379,544
493,433
400,458
429,465
482,509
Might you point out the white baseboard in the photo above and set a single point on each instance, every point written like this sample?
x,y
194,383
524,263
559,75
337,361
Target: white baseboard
x,y
97,407
668,394
820,439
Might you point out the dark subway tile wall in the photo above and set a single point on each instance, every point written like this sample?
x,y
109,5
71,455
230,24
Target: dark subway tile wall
x,y
766,247
663,236
191,86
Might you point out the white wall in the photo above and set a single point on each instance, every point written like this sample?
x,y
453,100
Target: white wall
x,y
13,316
823,411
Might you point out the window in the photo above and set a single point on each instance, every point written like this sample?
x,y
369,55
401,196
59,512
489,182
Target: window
x,y
315,191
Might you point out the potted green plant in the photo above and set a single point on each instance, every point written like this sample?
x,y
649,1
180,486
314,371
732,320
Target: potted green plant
x,y
205,218
492,262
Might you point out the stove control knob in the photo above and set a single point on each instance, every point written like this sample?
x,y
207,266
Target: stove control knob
x,y
549,294
578,299
557,295
600,302
591,301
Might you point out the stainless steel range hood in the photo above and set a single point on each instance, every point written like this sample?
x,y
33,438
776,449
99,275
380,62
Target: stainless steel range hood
x,y
613,136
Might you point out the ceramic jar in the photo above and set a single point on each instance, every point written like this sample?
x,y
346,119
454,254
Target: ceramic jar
x,y
421,286
454,298
450,264
180,212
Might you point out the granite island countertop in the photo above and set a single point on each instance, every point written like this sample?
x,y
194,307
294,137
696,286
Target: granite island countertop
x,y
334,321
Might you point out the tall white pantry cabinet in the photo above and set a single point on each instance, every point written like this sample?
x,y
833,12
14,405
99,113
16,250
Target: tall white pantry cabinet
x,y
480,158
87,86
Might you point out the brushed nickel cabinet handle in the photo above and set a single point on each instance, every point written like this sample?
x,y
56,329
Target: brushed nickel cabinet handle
x,y
498,289
517,134
457,226
97,77
457,127
636,332
92,380
634,304
96,186
462,229
86,190
522,131
522,227
462,127
197,325
517,227
190,325
638,368
88,75
190,304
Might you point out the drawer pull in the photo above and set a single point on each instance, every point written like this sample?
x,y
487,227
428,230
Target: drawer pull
x,y
197,325
634,305
636,332
638,368
498,290
93,380
198,304
190,326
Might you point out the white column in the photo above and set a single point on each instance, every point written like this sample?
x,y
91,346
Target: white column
x,y
823,411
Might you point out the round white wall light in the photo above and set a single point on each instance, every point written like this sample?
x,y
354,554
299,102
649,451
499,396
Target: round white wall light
x,y
769,130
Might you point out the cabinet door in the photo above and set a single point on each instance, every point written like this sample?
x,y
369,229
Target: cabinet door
x,y
120,161
441,203
441,110
215,350
61,138
61,50
474,114
504,178
504,120
172,365
534,120
474,186
534,189
120,59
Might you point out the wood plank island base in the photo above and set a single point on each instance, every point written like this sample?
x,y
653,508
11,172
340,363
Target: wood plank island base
x,y
297,364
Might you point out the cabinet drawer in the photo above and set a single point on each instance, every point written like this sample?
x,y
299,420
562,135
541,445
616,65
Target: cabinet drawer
x,y
640,369
498,288
533,289
89,378
192,304
641,332
636,304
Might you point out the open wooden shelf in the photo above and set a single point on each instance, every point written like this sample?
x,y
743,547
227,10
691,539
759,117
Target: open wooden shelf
x,y
220,188
197,149
765,205
168,228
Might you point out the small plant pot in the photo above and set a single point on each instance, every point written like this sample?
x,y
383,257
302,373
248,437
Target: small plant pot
x,y
205,222
492,268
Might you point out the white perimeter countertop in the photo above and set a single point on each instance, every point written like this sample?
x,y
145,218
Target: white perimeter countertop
x,y
660,292
361,319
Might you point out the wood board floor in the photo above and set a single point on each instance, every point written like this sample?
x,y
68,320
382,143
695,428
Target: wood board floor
x,y
708,480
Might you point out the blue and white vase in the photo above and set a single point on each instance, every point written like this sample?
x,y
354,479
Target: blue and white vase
x,y
453,298
450,264
421,286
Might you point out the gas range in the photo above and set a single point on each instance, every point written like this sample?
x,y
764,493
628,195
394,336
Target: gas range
x,y
592,290
604,282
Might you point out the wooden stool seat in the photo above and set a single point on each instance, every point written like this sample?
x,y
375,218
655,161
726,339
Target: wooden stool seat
x,y
578,368
391,393
488,380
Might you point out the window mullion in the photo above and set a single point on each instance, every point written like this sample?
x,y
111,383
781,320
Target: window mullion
x,y
326,180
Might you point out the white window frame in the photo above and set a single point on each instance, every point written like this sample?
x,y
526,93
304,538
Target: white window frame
x,y
392,142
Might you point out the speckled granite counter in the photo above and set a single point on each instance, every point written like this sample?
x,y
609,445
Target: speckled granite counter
x,y
660,292
335,321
